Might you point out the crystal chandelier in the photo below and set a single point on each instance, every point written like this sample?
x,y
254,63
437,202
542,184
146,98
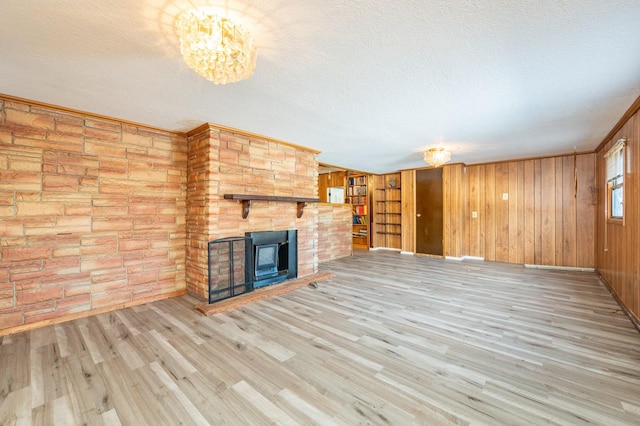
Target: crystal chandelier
x,y
436,157
215,47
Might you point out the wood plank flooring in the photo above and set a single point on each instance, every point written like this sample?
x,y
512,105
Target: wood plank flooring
x,y
392,339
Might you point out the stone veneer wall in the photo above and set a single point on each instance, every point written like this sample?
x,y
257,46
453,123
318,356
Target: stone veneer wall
x,y
224,161
97,214
92,213
335,223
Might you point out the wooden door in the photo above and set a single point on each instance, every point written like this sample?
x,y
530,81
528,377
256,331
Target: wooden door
x,y
429,217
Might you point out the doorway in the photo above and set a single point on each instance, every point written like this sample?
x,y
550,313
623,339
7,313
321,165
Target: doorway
x,y
429,216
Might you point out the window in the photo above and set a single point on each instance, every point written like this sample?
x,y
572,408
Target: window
x,y
614,159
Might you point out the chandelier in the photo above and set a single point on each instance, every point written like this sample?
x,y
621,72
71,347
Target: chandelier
x,y
436,157
214,47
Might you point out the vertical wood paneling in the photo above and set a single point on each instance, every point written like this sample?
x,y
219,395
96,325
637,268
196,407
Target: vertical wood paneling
x,y
543,221
585,211
520,208
449,192
466,248
454,223
548,210
460,208
537,193
502,212
408,194
569,197
474,236
512,227
338,179
558,220
489,212
617,248
376,216
529,212
482,174
633,214
323,184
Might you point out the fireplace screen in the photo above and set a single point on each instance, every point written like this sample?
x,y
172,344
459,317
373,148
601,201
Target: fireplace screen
x,y
227,276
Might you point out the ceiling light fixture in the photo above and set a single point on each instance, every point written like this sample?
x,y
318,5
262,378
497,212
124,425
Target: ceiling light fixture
x,y
215,47
436,157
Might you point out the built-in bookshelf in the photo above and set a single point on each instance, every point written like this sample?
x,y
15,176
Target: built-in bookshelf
x,y
387,211
358,197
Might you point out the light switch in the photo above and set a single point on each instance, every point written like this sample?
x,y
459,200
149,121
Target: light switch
x,y
505,195
474,215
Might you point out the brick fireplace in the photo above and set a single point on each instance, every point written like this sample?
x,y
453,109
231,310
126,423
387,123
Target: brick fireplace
x,y
99,214
225,161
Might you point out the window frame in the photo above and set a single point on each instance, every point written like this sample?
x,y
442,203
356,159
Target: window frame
x,y
617,181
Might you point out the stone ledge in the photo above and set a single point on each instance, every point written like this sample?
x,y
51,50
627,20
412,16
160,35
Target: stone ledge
x,y
262,293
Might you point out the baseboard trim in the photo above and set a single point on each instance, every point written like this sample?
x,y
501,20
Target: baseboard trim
x,y
407,252
89,313
430,256
460,259
334,258
559,268
634,320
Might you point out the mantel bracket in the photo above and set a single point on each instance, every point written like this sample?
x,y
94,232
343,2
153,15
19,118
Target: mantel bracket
x,y
246,204
301,206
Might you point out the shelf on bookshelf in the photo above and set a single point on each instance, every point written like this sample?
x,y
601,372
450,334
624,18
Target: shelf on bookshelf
x,y
358,197
386,200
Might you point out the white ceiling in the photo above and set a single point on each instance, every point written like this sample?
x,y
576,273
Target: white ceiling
x,y
369,83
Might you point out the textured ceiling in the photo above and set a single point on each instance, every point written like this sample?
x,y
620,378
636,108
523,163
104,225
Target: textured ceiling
x,y
369,83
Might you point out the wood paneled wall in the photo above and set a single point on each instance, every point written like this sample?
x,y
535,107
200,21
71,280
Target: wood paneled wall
x,y
618,245
453,198
408,194
528,211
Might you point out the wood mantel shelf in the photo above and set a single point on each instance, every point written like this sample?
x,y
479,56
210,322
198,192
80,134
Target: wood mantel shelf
x,y
247,199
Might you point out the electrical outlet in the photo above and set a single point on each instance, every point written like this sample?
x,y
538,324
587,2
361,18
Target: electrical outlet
x,y
474,215
505,196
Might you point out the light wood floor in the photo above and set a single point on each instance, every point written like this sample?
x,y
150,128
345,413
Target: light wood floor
x,y
393,339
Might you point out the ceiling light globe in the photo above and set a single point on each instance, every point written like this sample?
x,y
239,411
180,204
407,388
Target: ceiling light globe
x,y
215,47
436,157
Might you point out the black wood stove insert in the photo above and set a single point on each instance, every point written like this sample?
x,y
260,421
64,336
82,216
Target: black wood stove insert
x,y
241,264
271,257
